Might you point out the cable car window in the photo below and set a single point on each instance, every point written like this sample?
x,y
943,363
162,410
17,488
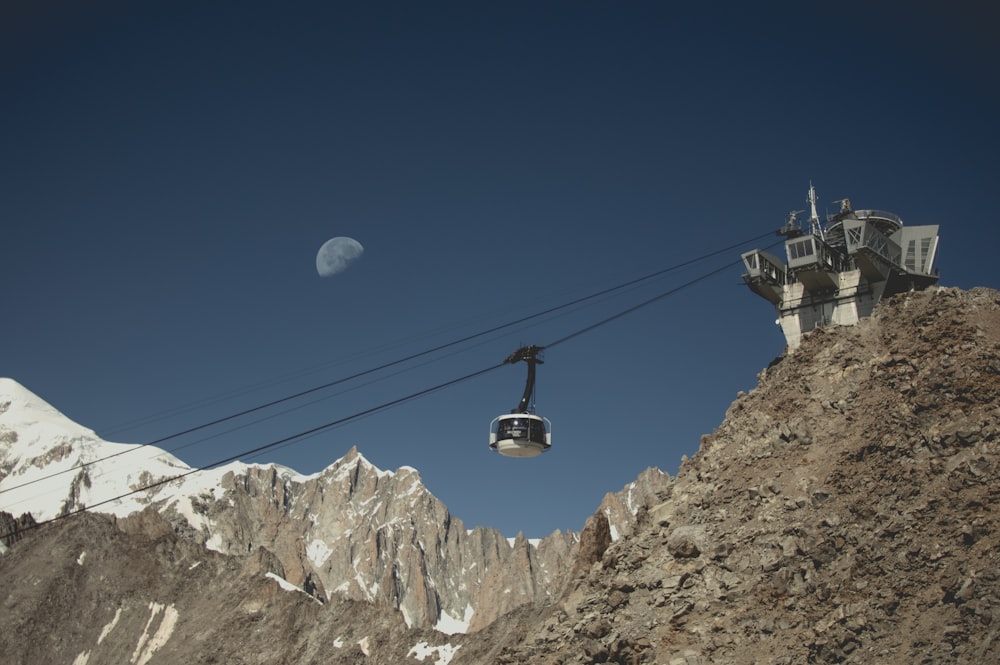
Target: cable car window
x,y
530,429
513,428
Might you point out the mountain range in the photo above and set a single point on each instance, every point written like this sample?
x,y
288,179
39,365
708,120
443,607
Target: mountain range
x,y
352,531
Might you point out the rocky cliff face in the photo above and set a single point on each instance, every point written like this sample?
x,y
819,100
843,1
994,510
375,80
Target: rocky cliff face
x,y
844,512
354,531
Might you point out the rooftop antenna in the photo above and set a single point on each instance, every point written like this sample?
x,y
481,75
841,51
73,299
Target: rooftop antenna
x,y
814,225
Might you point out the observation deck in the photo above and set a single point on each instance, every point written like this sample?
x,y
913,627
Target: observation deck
x,y
836,272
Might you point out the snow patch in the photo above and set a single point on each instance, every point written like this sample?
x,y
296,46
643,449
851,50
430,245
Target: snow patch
x,y
422,650
214,543
288,586
363,643
318,552
531,541
82,658
632,506
449,625
148,645
282,582
338,643
286,472
194,565
108,628
80,559
612,527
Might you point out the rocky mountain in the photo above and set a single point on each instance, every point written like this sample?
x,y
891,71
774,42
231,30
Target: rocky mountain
x,y
845,511
352,531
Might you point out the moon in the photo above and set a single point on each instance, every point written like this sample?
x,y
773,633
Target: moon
x,y
336,254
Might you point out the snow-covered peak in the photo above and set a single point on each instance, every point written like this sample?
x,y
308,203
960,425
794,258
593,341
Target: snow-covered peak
x,y
50,464
53,465
33,418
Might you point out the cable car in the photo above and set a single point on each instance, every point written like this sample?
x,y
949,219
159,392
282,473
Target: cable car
x,y
522,433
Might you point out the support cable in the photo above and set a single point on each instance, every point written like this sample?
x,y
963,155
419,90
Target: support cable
x,y
361,414
420,354
254,451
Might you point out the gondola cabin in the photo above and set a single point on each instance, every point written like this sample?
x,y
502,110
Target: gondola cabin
x,y
520,434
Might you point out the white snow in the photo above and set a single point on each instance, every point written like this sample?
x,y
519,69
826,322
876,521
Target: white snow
x,y
148,645
49,453
287,473
363,643
194,565
449,625
80,559
422,650
214,543
611,525
338,643
531,541
108,628
283,583
288,586
82,658
629,502
318,552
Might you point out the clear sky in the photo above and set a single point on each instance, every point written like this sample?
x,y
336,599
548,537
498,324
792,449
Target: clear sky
x,y
170,169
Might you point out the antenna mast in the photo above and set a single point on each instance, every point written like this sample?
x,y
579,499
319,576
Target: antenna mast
x,y
814,226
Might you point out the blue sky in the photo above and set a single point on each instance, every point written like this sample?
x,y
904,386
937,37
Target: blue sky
x,y
170,170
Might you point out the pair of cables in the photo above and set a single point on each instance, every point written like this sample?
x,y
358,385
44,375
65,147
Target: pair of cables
x,y
395,402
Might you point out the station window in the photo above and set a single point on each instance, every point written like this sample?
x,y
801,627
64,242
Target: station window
x,y
800,249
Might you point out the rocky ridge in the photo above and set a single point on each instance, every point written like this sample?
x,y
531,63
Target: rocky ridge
x,y
360,533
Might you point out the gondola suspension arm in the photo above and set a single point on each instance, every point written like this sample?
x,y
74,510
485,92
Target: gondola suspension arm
x,y
528,354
